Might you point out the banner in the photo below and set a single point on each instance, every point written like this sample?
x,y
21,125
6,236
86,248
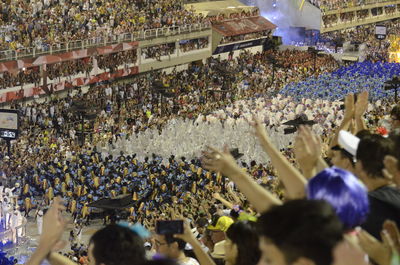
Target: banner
x,y
241,45
81,81
14,66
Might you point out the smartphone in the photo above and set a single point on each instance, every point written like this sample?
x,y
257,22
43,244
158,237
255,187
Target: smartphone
x,y
170,227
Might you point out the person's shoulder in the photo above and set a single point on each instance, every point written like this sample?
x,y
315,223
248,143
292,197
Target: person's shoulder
x,y
388,195
190,261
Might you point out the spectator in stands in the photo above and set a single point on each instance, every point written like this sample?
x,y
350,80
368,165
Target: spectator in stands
x,y
173,248
299,231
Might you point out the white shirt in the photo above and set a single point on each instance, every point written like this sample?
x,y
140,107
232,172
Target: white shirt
x,y
189,261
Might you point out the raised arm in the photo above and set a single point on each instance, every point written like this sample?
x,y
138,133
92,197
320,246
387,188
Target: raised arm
x,y
308,149
218,197
292,179
53,228
348,117
360,108
223,162
201,255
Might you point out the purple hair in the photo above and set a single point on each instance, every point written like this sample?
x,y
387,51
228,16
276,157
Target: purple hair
x,y
342,190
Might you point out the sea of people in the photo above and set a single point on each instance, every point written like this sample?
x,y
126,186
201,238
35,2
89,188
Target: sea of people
x,y
121,154
222,146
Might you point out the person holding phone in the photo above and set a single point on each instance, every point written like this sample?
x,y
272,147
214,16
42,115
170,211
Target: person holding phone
x,y
173,248
170,246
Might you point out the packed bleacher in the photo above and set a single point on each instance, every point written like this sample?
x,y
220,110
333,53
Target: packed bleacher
x,y
327,5
37,24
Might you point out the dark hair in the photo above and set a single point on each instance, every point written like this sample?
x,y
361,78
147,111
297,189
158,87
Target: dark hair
x,y
396,112
117,245
371,151
302,228
396,140
344,192
244,236
171,239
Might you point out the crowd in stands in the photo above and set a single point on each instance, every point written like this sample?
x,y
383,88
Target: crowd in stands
x,y
376,50
326,5
40,24
150,140
157,51
354,16
193,44
26,76
111,62
134,107
55,71
246,37
69,68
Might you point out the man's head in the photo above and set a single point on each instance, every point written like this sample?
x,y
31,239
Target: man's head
x,y
370,157
395,117
115,244
169,246
345,152
218,227
341,158
299,232
344,192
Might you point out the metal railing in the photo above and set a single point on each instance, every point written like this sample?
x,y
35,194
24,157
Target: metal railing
x,y
31,52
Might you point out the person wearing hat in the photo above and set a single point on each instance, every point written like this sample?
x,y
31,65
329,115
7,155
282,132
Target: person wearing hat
x,y
384,198
218,227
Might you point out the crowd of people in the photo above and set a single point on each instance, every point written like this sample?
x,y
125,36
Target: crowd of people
x,y
335,5
376,50
157,51
353,16
42,23
193,44
149,139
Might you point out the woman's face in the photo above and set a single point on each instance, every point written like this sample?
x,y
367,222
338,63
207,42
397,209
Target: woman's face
x,y
231,251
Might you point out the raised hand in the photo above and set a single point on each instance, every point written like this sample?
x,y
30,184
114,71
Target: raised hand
x,y
307,149
220,161
361,105
187,235
349,107
53,222
259,129
380,252
216,196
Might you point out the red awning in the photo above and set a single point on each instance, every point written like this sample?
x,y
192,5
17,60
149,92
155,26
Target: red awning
x,y
243,26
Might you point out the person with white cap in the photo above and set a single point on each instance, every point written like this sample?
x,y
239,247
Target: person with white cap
x,y
384,199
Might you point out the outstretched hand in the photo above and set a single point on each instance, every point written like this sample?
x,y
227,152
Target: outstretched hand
x,y
361,105
307,148
53,223
349,107
220,161
381,252
259,130
187,235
